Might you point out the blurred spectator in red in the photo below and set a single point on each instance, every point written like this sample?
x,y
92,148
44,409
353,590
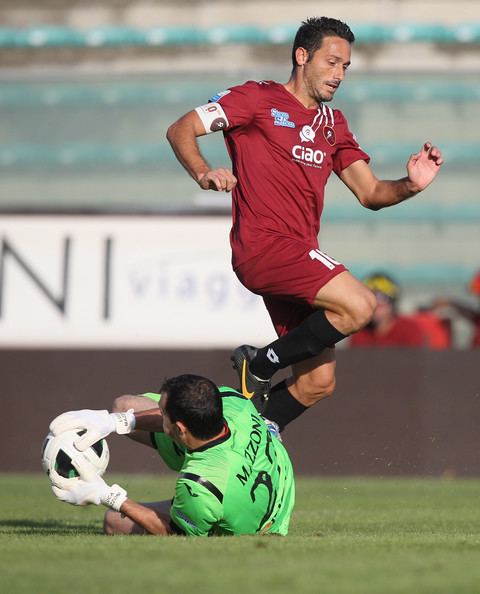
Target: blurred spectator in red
x,y
388,328
436,329
471,314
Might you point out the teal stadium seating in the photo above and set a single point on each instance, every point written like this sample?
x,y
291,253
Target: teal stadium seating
x,y
93,103
92,155
138,92
50,36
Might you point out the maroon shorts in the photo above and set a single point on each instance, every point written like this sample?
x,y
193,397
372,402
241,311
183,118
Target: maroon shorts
x,y
288,275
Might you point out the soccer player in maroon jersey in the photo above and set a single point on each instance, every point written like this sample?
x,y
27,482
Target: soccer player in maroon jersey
x,y
284,142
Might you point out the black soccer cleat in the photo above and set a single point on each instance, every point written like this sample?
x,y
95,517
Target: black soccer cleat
x,y
253,388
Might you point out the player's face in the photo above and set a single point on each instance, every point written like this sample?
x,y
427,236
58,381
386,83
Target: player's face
x,y
326,69
169,428
384,310
167,423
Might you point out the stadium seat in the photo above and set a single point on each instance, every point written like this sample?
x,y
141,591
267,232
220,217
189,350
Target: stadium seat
x,y
467,33
41,36
113,36
169,35
425,32
371,33
233,34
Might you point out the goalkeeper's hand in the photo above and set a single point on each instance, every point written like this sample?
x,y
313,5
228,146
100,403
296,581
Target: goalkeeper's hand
x,y
88,488
98,424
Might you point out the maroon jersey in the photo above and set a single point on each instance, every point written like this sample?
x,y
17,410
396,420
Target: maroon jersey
x,y
282,155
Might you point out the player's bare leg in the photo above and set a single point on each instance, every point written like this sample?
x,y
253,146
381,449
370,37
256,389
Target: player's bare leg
x,y
138,403
344,306
116,523
314,379
349,305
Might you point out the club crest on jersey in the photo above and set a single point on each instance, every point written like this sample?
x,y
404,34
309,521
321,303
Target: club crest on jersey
x,y
281,118
329,135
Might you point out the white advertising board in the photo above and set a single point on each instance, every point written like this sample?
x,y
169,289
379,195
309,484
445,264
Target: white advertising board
x,y
123,282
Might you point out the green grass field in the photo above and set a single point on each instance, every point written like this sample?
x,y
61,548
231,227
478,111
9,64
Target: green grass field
x,y
347,536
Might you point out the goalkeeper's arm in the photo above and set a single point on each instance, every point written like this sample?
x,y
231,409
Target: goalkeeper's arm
x,y
146,517
90,488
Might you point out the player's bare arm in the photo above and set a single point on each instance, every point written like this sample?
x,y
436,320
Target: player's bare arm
x,y
372,193
150,420
150,519
182,136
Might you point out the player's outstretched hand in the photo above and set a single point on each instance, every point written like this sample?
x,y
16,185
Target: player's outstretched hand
x,y
422,167
97,423
219,180
89,488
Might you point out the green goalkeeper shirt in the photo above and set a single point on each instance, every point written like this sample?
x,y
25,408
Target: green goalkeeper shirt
x,y
241,483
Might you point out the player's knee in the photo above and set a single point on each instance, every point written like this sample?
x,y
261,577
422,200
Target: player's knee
x,y
313,388
362,308
323,389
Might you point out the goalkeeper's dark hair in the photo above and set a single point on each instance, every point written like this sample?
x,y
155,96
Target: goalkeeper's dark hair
x,y
195,401
311,33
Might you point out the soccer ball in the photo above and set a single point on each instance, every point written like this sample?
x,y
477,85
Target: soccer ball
x,y
58,452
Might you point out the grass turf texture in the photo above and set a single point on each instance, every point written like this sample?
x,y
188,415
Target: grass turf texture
x,y
347,536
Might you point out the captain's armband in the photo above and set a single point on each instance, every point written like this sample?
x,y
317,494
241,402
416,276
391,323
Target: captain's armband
x,y
213,117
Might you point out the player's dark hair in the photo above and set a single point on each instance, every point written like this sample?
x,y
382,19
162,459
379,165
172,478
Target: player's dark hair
x,y
312,31
195,401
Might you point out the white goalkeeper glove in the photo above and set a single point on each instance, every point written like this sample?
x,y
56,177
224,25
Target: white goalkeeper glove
x,y
98,424
88,488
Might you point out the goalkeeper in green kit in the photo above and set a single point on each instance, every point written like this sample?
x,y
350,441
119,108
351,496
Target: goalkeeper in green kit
x,y
235,477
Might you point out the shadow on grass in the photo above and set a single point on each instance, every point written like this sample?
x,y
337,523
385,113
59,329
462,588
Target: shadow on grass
x,y
50,527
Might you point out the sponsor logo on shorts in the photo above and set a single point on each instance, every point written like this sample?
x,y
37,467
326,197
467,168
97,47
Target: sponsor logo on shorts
x,y
281,118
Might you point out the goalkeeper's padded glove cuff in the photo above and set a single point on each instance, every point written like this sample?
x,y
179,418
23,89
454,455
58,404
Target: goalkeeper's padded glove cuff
x,y
114,497
124,421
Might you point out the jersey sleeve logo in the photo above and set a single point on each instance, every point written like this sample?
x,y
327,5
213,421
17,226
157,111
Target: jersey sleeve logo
x,y
218,96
